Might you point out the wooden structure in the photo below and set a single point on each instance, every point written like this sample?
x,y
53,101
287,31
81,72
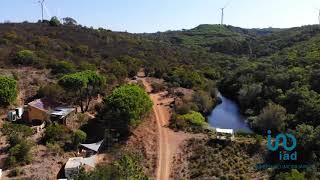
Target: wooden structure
x,y
44,109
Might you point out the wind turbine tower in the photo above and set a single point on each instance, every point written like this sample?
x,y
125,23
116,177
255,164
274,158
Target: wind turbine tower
x,y
222,14
41,3
319,16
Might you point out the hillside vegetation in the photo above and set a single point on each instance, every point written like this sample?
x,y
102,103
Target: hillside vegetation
x,y
273,74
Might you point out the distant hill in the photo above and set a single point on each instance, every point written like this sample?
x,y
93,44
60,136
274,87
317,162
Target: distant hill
x,y
238,41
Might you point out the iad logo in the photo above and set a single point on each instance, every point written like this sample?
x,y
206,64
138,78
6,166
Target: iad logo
x,y
288,155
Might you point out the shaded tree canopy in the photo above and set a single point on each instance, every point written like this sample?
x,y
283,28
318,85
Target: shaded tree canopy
x,y
130,101
272,117
54,21
69,21
83,86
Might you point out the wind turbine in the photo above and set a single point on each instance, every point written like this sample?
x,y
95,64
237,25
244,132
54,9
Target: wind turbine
x,y
222,12
41,3
319,15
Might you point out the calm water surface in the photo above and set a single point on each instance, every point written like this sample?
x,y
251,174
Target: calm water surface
x,y
226,116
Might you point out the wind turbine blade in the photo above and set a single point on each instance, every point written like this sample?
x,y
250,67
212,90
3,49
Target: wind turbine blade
x,y
47,11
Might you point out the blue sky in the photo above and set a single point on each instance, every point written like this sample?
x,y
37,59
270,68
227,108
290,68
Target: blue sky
x,y
162,15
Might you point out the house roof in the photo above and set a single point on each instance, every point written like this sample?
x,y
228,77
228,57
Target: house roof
x,y
93,146
62,111
74,162
90,161
228,131
44,104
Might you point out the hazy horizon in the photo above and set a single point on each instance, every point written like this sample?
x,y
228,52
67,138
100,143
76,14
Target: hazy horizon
x,y
153,16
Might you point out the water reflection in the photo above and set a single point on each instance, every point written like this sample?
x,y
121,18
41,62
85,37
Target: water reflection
x,y
226,115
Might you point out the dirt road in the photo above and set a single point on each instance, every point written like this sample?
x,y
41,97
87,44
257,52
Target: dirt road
x,y
168,140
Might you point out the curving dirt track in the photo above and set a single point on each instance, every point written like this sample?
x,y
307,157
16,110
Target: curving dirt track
x,y
168,140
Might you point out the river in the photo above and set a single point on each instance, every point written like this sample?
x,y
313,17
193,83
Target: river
x,y
226,115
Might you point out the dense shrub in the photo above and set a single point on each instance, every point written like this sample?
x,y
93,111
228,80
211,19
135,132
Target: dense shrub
x,y
193,118
87,66
292,175
56,133
272,117
82,49
192,121
63,67
157,87
12,36
25,57
127,167
186,78
16,130
78,137
54,148
19,153
8,90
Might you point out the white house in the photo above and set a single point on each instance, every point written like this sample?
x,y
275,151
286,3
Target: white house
x,y
74,164
224,134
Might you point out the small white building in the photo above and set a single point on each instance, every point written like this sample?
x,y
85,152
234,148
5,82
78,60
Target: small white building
x,y
224,134
74,164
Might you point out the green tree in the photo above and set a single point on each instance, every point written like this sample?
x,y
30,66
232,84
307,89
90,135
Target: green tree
x,y
132,65
131,102
53,92
8,90
186,78
69,21
78,137
83,86
117,69
272,117
54,21
306,136
248,95
315,81
204,101
304,103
